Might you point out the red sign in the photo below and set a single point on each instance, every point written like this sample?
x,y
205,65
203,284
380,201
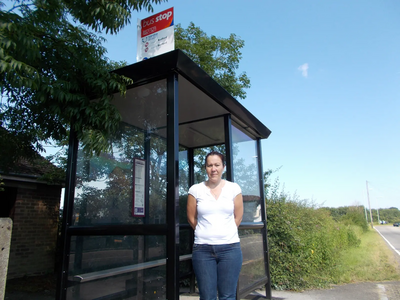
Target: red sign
x,y
158,22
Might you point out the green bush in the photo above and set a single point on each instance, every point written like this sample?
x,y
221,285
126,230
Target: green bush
x,y
353,240
304,243
355,216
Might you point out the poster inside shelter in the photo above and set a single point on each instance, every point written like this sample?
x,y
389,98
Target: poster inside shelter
x,y
139,188
155,35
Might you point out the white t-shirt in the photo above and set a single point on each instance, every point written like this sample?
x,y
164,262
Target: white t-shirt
x,y
215,218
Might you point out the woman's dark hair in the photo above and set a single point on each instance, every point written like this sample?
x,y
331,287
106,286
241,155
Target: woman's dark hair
x,y
221,156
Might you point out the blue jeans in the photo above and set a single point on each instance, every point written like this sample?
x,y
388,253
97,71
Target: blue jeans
x,y
217,267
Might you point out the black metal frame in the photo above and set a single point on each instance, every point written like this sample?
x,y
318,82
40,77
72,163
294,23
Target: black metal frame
x,y
264,220
191,182
62,278
172,187
169,66
228,148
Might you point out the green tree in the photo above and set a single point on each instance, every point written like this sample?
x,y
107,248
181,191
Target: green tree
x,y
51,68
389,215
337,212
219,57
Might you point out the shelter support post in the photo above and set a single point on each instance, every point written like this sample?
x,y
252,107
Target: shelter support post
x,y
191,182
228,148
62,279
172,188
264,220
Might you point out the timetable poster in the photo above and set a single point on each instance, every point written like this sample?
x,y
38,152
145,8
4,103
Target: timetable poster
x,y
139,172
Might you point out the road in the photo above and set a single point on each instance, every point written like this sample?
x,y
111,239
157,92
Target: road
x,y
392,235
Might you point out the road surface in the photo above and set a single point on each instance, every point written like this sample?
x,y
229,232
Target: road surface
x,y
391,235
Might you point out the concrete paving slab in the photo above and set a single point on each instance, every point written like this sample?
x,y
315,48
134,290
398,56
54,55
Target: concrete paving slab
x,y
356,291
5,242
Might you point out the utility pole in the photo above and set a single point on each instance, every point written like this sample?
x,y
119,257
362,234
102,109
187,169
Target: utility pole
x,y
369,204
379,219
366,217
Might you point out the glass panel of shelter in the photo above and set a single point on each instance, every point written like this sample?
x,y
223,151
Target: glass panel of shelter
x,y
134,265
128,265
246,174
206,132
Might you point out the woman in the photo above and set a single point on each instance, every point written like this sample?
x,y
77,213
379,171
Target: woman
x,y
215,210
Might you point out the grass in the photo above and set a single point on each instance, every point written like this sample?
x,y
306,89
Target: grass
x,y
373,260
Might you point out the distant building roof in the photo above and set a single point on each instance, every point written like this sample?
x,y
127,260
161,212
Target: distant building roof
x,y
26,164
37,169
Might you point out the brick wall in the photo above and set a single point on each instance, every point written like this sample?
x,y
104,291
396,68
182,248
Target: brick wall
x,y
34,234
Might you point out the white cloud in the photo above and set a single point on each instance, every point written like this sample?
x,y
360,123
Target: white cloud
x,y
304,70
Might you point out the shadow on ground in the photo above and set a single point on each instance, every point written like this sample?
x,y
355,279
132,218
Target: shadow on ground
x,y
41,287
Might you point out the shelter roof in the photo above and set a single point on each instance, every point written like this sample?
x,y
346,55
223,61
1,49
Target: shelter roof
x,y
200,96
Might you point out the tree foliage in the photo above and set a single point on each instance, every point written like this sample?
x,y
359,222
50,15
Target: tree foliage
x,y
361,214
219,57
390,215
53,64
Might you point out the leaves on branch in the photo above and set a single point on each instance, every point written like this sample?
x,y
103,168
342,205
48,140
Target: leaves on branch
x,y
54,72
219,57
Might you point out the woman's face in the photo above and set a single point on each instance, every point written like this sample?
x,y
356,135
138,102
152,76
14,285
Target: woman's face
x,y
214,167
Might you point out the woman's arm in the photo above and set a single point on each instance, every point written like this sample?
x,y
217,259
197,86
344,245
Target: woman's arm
x,y
238,209
191,211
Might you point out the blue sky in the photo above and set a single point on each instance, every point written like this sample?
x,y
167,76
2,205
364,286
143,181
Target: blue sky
x,y
324,78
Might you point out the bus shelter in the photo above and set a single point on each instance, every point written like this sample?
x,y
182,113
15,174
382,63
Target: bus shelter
x,y
124,232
